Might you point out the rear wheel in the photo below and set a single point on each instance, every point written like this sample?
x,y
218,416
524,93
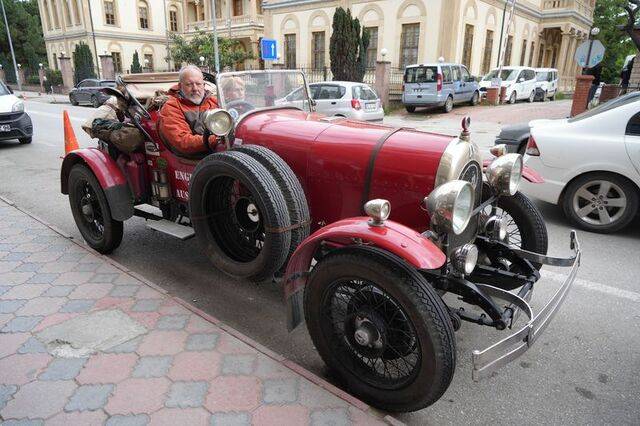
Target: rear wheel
x,y
600,202
410,109
94,101
91,211
239,215
448,105
382,328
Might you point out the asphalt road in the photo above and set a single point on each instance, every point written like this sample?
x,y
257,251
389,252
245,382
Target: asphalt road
x,y
583,370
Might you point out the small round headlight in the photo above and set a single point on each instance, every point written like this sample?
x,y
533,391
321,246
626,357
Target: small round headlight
x,y
450,206
465,258
378,210
496,227
218,121
504,174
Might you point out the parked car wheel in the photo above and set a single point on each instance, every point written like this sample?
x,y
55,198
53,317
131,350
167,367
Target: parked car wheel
x,y
553,97
513,98
73,100
448,104
25,141
381,327
291,190
239,215
91,211
475,99
95,102
600,202
410,109
532,97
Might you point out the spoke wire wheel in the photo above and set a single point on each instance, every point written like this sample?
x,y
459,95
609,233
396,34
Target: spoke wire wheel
x,y
514,237
90,208
599,202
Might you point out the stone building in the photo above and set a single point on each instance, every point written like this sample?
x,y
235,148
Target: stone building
x,y
544,33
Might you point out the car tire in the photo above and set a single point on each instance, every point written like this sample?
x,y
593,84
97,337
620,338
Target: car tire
x,y
73,100
475,98
91,211
95,102
532,97
604,217
513,98
553,97
410,109
239,215
24,141
291,190
526,228
448,105
415,308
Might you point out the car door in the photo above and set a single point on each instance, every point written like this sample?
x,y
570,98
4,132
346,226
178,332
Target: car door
x,y
531,81
328,99
632,140
468,85
458,84
519,86
80,94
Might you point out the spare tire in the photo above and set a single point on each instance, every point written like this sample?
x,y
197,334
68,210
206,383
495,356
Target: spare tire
x,y
239,215
290,187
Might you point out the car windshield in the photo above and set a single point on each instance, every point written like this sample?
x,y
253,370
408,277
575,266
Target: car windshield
x,y
507,75
239,92
421,75
542,76
4,90
607,106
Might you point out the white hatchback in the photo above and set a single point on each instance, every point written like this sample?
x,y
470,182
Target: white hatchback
x,y
520,82
590,164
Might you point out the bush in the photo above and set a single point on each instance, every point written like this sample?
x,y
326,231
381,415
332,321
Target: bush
x,y
33,80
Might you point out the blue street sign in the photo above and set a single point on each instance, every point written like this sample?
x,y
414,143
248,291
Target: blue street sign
x,y
268,50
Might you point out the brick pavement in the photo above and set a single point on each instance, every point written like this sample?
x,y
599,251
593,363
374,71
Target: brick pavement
x,y
85,341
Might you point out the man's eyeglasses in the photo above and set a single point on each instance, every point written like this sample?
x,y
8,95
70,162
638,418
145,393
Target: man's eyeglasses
x,y
194,84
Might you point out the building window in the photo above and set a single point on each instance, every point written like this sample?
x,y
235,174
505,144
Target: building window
x,y
409,44
67,13
46,14
507,51
259,7
218,9
540,55
143,14
76,12
554,58
523,54
533,49
317,47
109,13
148,62
173,20
372,50
54,9
488,48
290,51
237,7
117,62
468,45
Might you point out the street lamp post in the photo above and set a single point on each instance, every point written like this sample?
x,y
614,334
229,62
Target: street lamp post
x,y
13,55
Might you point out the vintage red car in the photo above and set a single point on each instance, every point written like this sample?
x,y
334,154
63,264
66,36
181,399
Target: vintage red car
x,y
398,218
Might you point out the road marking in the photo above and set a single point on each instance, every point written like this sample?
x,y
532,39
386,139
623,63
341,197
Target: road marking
x,y
594,286
58,115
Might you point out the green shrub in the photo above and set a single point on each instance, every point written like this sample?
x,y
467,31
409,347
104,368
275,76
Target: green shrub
x,y
33,80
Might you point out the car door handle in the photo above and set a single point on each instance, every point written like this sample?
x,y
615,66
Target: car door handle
x,y
333,103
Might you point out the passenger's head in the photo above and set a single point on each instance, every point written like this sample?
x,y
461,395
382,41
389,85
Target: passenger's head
x,y
192,83
233,89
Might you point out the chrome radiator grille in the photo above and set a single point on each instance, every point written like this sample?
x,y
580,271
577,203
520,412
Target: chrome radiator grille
x,y
472,173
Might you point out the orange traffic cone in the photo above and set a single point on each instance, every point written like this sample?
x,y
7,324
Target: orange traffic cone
x,y
70,141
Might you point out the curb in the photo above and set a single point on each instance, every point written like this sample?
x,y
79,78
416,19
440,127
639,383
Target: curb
x,y
290,365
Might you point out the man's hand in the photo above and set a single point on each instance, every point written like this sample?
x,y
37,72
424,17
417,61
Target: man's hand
x,y
215,144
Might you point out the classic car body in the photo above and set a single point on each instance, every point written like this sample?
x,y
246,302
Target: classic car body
x,y
368,280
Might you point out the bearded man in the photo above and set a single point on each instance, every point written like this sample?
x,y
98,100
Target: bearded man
x,y
181,123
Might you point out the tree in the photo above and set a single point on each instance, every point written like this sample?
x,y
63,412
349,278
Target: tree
x,y
347,48
136,68
184,51
26,34
83,63
610,17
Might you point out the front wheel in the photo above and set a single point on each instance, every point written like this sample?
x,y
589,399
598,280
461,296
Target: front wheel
x,y
73,100
532,97
475,99
410,109
91,211
600,202
95,102
513,98
382,328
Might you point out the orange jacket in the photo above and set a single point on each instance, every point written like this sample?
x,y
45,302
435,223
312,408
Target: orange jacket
x,y
180,123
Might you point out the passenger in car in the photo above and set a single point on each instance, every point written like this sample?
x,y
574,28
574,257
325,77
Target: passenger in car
x,y
181,123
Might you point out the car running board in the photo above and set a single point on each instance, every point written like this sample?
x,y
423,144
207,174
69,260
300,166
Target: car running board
x,y
153,216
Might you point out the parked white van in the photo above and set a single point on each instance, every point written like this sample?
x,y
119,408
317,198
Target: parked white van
x,y
519,81
547,83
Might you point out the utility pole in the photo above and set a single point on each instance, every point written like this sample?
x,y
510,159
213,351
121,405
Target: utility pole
x,y
506,39
166,33
13,55
214,26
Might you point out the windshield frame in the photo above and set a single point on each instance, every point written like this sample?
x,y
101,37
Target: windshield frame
x,y
222,102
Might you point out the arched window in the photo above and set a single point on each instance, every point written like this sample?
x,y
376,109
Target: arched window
x,y
173,19
143,15
45,6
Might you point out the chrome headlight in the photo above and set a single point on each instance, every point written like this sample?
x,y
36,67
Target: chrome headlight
x,y
378,210
504,174
496,227
18,107
218,121
450,206
465,258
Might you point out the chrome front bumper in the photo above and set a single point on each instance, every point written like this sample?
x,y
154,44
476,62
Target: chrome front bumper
x,y
489,360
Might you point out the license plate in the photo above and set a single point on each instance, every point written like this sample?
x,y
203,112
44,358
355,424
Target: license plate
x,y
5,128
370,107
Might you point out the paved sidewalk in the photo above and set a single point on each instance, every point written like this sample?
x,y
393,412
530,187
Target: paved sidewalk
x,y
43,97
85,341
